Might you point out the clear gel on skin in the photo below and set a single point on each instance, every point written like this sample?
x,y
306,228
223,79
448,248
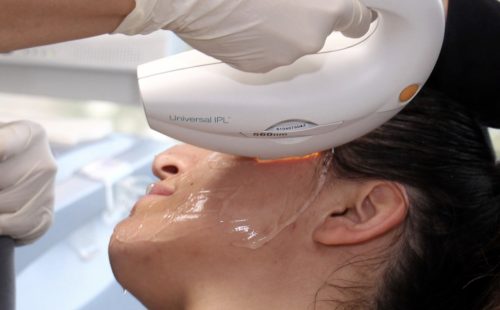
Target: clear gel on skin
x,y
248,200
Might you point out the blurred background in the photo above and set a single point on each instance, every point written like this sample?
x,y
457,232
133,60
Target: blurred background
x,y
84,93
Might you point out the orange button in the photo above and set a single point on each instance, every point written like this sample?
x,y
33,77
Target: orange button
x,y
408,92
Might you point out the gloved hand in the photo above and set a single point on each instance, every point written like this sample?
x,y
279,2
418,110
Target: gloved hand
x,y
250,35
27,172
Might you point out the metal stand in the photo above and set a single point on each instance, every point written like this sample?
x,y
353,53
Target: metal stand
x,y
7,276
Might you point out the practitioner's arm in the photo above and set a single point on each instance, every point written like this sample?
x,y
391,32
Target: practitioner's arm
x,y
251,35
27,23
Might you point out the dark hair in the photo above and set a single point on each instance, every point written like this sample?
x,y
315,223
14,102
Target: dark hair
x,y
449,248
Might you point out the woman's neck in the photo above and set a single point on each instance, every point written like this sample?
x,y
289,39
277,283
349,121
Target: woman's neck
x,y
248,295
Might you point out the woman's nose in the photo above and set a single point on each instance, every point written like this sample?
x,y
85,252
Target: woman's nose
x,y
175,160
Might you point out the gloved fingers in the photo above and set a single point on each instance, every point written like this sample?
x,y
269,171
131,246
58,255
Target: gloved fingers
x,y
27,189
134,22
25,152
27,173
360,21
251,35
29,220
249,60
258,45
24,167
16,137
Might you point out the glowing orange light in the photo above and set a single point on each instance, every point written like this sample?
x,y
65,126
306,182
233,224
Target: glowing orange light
x,y
287,159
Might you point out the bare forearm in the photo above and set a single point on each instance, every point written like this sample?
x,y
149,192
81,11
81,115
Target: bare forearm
x,y
26,23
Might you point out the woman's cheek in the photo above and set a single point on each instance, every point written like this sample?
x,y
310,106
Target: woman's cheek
x,y
246,205
167,220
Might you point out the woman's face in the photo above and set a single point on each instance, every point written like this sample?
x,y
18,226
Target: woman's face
x,y
211,212
246,200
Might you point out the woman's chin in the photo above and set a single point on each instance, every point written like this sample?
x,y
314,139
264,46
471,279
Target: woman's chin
x,y
131,230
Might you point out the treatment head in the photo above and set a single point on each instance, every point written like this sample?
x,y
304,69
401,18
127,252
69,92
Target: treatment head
x,y
323,100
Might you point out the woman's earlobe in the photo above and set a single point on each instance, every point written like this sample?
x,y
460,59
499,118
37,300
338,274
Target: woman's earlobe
x,y
376,208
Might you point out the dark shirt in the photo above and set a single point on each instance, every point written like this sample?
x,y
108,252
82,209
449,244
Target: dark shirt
x,y
7,276
468,69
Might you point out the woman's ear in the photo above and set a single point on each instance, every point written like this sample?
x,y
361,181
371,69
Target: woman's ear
x,y
373,209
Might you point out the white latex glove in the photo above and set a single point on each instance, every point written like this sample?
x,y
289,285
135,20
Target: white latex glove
x,y
27,172
251,35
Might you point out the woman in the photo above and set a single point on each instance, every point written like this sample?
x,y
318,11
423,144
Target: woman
x,y
406,217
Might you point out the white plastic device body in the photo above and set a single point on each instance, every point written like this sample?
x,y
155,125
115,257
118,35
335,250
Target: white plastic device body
x,y
323,100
